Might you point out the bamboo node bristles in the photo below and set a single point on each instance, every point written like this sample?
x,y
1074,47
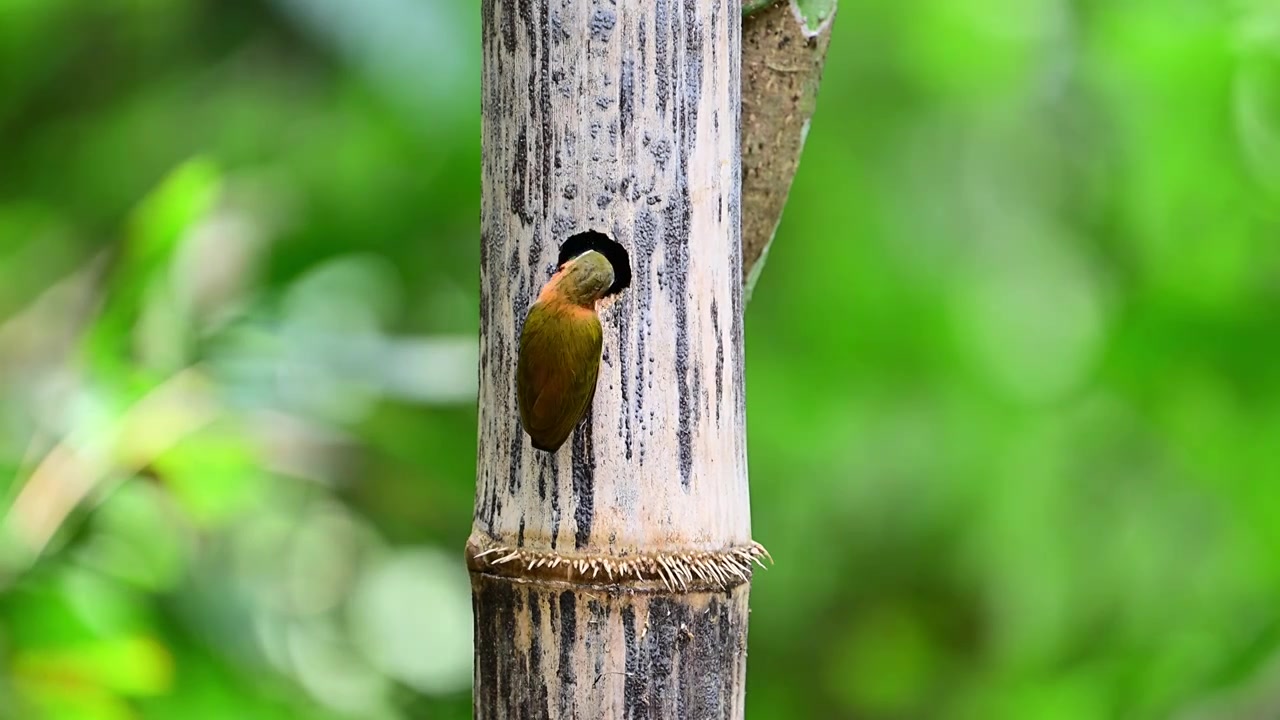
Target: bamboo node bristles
x,y
676,570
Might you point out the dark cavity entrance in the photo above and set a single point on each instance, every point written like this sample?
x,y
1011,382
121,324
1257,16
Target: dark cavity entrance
x,y
603,244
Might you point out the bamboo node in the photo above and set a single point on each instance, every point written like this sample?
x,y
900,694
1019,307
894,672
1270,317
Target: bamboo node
x,y
681,571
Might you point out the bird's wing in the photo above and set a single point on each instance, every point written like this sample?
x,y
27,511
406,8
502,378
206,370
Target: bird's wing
x,y
559,366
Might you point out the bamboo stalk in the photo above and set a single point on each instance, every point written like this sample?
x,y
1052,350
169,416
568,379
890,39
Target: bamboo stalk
x,y
611,579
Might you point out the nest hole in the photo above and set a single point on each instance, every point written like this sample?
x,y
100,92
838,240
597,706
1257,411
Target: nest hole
x,y
606,246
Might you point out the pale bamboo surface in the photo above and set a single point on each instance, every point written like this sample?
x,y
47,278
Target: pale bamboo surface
x,y
623,119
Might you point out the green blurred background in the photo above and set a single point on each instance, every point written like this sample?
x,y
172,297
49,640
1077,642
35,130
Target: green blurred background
x,y
1014,401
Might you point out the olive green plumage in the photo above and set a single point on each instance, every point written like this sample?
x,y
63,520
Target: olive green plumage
x,y
560,351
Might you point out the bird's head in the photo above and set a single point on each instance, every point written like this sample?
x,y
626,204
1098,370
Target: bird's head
x,y
582,280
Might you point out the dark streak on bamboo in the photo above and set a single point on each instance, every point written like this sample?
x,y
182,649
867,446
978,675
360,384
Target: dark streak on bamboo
x,y
679,658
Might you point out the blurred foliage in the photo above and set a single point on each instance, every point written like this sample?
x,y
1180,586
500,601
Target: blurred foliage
x,y
1014,417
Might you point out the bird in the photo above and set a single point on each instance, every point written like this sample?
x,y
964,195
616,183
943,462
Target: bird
x,y
560,345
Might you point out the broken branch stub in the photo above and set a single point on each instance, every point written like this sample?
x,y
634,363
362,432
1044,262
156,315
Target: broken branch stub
x,y
782,63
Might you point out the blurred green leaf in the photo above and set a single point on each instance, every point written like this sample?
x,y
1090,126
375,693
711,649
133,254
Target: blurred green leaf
x,y
214,474
162,218
885,665
58,700
127,666
137,538
69,605
815,12
140,273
